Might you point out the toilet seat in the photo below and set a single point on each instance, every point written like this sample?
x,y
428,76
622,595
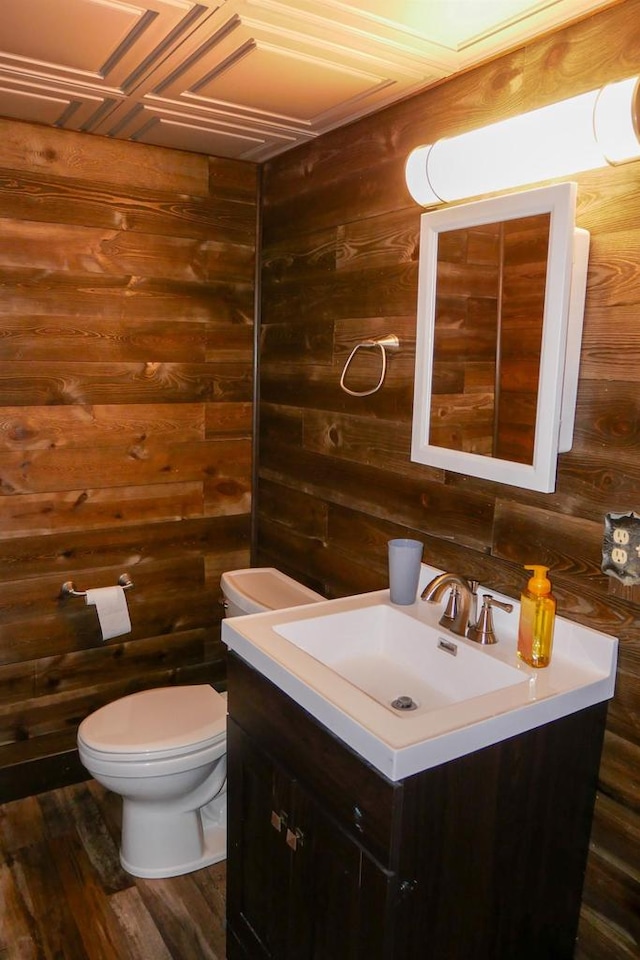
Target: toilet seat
x,y
161,763
156,724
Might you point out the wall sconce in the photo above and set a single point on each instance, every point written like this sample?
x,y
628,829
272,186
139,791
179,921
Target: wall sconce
x,y
582,133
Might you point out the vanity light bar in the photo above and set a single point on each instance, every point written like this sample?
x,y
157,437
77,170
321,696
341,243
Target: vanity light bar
x,y
582,133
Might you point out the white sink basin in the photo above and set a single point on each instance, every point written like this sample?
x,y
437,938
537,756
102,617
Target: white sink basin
x,y
392,656
346,660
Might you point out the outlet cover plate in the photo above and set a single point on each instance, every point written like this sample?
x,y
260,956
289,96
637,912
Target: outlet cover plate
x,y
621,547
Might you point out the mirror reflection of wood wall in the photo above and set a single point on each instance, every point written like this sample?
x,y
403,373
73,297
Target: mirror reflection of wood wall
x,y
489,314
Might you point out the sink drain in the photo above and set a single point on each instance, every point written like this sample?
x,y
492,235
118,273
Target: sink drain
x,y
404,703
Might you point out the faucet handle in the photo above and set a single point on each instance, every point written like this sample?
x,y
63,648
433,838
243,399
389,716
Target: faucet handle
x,y
482,631
452,610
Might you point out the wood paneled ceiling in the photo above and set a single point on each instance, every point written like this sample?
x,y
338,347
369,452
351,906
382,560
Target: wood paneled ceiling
x,y
246,79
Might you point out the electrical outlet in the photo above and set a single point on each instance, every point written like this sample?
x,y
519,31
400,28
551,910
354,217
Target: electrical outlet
x,y
621,547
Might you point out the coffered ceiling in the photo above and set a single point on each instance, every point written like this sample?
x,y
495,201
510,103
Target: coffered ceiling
x,y
244,78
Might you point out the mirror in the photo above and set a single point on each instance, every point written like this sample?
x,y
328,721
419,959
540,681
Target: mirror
x,y
501,289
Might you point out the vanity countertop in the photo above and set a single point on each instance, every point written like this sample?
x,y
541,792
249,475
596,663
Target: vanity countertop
x,y
399,744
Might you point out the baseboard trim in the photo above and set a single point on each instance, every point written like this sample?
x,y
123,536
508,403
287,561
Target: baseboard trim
x,y
39,775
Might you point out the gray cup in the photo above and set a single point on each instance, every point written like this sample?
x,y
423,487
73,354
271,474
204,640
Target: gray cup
x,y
405,557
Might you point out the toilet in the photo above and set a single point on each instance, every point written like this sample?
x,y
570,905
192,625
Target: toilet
x,y
256,589
164,751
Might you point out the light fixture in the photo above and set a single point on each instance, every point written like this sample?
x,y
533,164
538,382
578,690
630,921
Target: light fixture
x,y
582,133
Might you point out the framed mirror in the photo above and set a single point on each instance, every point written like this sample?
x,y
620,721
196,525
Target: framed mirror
x,y
501,289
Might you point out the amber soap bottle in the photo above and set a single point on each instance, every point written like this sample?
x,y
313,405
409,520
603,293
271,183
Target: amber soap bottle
x,y
537,619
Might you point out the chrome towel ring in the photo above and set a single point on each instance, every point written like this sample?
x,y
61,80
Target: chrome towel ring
x,y
390,342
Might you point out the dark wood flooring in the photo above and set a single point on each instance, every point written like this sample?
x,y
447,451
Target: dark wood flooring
x,y
64,895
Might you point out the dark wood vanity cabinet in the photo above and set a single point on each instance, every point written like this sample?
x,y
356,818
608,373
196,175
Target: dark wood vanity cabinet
x,y
481,858
296,888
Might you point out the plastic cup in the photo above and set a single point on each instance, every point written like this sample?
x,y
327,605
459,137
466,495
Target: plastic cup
x,y
405,557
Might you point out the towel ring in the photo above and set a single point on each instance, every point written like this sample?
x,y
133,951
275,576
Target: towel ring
x,y
390,342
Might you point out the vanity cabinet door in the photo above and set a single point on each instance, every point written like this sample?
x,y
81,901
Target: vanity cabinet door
x,y
339,895
258,862
298,887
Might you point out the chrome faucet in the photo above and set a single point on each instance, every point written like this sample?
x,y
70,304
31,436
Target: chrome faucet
x,y
457,613
460,615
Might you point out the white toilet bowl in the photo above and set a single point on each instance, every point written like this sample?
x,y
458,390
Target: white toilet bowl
x,y
164,751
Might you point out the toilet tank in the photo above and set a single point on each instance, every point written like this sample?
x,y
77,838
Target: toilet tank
x,y
256,589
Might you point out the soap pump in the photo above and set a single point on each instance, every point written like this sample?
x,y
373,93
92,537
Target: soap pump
x,y
537,619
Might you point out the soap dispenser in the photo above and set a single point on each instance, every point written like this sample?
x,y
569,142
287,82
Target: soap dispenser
x,y
537,619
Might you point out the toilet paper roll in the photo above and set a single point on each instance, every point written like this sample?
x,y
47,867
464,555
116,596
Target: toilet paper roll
x,y
113,613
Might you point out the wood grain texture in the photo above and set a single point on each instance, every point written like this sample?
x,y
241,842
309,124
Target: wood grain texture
x,y
340,265
64,893
126,368
62,154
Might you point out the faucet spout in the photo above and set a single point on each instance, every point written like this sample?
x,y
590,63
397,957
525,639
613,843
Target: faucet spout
x,y
433,592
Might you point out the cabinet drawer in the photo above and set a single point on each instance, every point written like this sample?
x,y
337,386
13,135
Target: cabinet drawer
x,y
363,801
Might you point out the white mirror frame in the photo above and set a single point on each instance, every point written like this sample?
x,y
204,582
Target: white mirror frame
x,y
566,279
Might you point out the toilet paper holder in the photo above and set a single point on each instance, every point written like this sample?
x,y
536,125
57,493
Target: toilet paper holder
x,y
69,587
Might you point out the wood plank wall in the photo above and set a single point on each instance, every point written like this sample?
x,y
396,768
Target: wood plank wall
x,y
524,268
340,264
467,311
127,314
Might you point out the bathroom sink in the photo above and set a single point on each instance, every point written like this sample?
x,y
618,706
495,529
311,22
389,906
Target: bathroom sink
x,y
346,661
405,665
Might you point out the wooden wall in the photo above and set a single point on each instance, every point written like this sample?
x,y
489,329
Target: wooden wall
x,y
340,264
126,318
525,243
467,311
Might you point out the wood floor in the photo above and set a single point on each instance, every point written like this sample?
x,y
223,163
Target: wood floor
x,y
64,895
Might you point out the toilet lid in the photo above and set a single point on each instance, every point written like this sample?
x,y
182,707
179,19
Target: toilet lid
x,y
158,719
